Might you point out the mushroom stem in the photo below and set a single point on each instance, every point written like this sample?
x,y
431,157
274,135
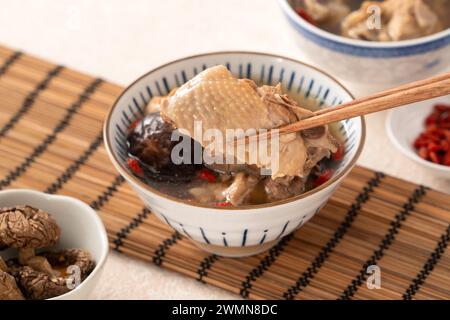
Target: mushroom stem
x,y
25,254
27,257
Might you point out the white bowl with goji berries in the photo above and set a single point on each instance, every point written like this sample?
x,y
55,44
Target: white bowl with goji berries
x,y
221,227
422,132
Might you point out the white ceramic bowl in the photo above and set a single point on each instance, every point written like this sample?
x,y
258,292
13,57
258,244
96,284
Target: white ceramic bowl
x,y
225,230
80,228
380,64
404,124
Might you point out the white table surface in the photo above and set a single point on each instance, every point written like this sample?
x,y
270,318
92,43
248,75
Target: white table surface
x,y
119,40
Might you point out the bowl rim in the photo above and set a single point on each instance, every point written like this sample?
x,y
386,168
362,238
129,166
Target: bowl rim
x,y
123,171
101,232
286,6
409,151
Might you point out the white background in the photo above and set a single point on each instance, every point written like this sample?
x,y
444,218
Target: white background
x,y
120,40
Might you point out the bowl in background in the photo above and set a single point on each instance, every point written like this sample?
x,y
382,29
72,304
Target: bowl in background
x,y
80,228
376,65
404,124
244,230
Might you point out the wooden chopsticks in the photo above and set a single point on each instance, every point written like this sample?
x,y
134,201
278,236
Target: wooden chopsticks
x,y
392,98
399,96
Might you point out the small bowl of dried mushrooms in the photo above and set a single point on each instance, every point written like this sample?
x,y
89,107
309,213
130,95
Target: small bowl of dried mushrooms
x,y
51,246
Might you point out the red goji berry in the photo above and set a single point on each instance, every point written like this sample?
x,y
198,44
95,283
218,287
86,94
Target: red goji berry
x,y
133,125
434,157
305,15
207,175
440,107
135,167
423,153
323,177
446,159
339,154
223,204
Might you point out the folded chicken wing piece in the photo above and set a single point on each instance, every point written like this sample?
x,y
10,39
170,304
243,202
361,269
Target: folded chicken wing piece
x,y
221,101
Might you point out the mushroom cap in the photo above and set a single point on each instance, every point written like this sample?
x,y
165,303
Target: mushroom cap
x,y
38,285
8,287
27,227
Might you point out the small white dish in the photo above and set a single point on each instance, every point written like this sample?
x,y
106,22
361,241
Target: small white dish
x,y
80,228
404,124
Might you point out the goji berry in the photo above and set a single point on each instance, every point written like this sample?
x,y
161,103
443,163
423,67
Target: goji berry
x,y
305,15
207,175
323,177
339,154
223,204
135,167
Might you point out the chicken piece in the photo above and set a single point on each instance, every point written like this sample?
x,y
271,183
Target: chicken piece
x,y
221,102
326,10
412,19
283,188
400,20
241,188
213,192
355,25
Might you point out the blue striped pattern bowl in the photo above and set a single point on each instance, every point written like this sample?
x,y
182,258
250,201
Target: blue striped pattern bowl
x,y
245,230
373,64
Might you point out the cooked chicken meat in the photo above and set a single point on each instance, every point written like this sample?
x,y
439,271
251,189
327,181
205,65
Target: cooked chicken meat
x,y
283,188
241,188
400,20
220,101
328,11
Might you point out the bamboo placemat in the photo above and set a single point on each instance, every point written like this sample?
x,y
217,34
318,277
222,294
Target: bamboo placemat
x,y
50,140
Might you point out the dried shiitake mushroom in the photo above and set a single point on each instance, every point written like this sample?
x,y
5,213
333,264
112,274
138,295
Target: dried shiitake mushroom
x,y
8,285
38,285
42,276
27,229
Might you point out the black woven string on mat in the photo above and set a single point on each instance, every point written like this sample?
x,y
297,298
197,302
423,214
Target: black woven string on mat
x,y
67,174
29,100
162,249
264,265
104,197
38,150
9,62
384,245
125,231
319,260
428,267
205,265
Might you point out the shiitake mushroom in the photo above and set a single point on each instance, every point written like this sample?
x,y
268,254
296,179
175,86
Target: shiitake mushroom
x,y
149,141
31,275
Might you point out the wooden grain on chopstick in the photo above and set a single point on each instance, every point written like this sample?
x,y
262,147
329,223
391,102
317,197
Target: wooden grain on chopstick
x,y
413,92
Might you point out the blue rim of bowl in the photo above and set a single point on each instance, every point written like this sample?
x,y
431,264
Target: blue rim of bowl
x,y
362,48
124,171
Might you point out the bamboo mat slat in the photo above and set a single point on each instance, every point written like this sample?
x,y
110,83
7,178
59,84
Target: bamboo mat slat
x,y
50,140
